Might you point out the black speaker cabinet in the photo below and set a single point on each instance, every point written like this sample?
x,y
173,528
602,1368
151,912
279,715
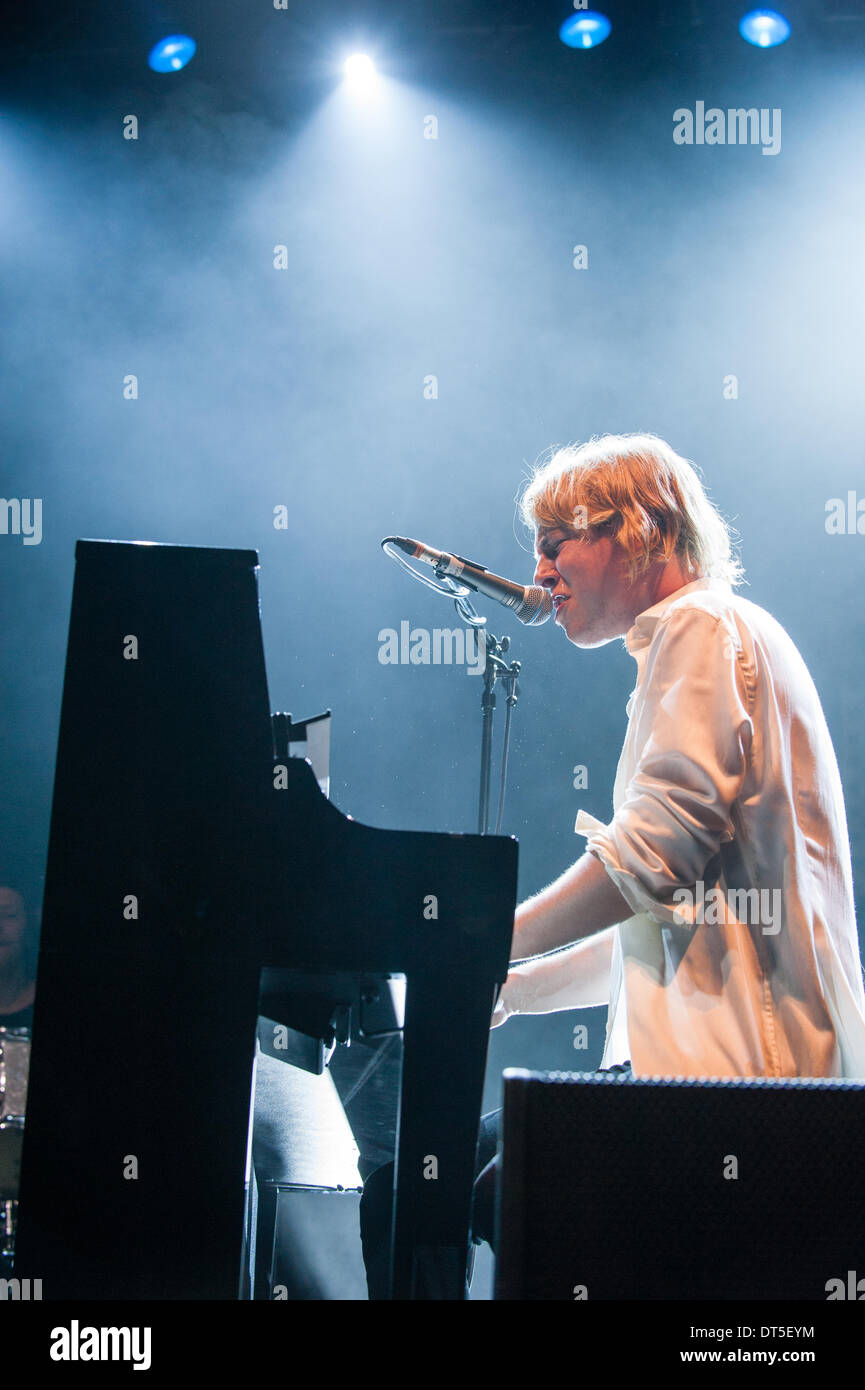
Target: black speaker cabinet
x,y
677,1188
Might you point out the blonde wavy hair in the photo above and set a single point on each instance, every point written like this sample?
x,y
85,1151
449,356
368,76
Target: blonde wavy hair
x,y
639,491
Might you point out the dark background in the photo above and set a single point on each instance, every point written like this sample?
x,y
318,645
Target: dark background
x,y
409,257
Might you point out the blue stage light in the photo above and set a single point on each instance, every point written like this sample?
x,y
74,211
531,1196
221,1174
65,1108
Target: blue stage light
x,y
765,28
172,54
585,30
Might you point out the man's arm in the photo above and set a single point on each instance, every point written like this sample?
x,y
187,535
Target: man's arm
x,y
583,900
577,977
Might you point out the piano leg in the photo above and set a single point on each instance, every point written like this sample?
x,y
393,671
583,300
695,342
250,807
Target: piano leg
x,y
444,1061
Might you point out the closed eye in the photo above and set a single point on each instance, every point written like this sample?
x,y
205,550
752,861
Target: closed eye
x,y
550,549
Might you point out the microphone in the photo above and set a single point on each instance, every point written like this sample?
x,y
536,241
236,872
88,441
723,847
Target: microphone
x,y
528,602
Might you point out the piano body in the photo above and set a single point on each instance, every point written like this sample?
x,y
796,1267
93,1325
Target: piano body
x,y
195,881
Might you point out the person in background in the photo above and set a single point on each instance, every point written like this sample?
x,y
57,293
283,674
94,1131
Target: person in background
x,y
18,949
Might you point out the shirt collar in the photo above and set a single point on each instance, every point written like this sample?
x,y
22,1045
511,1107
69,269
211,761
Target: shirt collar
x,y
640,635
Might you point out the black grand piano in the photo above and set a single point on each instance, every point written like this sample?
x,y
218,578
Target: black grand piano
x,y
200,886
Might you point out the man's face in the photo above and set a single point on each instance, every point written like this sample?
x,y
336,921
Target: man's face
x,y
587,577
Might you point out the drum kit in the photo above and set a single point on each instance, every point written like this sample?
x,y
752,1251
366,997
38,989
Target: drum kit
x,y
14,1066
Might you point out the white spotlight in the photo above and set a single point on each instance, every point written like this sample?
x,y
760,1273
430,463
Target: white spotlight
x,y
360,70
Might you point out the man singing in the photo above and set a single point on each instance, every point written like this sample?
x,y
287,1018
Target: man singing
x,y
714,913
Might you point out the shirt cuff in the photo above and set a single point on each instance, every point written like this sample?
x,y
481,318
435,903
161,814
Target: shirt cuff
x,y
601,843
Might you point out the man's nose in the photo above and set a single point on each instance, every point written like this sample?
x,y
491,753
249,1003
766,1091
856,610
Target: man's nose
x,y
545,572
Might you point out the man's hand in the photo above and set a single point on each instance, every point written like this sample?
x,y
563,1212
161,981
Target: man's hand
x,y
578,978
501,1013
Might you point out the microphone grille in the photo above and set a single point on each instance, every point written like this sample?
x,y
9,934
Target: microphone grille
x,y
536,607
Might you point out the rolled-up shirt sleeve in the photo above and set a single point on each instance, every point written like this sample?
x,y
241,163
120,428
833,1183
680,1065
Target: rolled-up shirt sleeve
x,y
692,730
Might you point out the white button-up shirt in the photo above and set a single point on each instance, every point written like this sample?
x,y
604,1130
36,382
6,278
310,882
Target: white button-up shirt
x,y
729,841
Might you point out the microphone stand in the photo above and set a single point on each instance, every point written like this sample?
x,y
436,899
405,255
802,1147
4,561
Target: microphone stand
x,y
495,669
